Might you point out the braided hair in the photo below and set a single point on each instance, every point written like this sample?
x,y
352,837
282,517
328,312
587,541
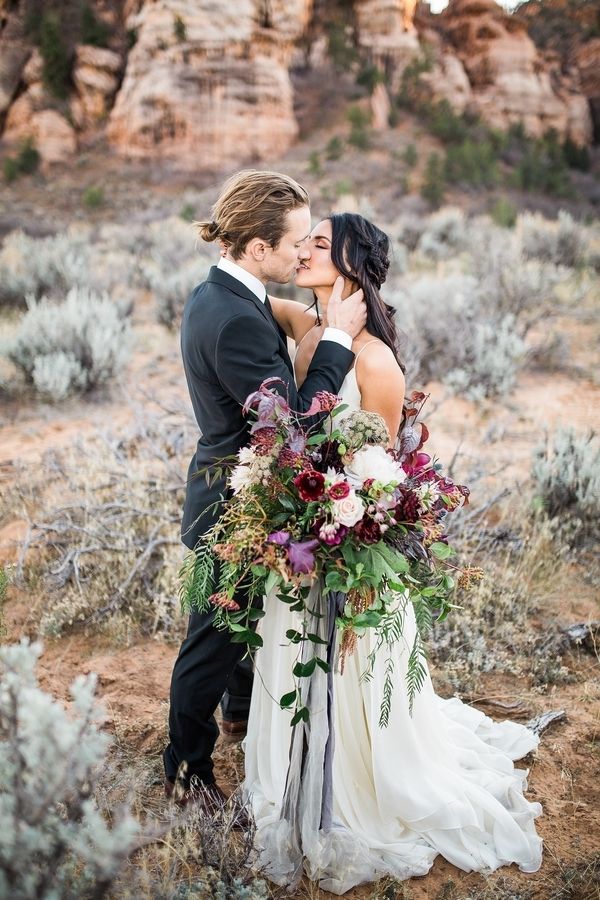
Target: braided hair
x,y
359,251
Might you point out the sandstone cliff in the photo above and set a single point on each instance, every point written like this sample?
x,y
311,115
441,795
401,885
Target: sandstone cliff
x,y
207,85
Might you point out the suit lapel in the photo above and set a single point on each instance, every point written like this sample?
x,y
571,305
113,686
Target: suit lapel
x,y
218,276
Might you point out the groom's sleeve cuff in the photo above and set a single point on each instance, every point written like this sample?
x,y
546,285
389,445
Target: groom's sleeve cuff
x,y
337,335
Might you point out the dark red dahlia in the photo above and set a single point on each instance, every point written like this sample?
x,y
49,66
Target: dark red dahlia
x,y
408,507
310,485
368,531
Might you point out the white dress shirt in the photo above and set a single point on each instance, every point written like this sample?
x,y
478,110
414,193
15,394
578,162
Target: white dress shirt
x,y
257,287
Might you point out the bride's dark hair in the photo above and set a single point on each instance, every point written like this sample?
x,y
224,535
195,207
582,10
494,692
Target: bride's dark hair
x,y
359,251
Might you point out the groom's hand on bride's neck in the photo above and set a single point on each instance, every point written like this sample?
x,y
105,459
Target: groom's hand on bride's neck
x,y
349,315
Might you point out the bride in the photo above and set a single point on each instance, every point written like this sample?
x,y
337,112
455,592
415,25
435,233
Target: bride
x,y
439,781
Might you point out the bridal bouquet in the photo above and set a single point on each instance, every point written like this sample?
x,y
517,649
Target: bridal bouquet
x,y
330,502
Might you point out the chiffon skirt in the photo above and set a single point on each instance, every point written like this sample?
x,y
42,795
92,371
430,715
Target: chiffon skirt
x,y
441,780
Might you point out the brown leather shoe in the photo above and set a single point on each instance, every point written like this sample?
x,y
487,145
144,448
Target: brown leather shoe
x,y
232,732
208,800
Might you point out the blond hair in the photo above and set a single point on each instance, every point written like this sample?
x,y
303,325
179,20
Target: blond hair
x,y
252,204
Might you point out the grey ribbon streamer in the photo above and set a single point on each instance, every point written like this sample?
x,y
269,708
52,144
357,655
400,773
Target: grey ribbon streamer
x,y
308,796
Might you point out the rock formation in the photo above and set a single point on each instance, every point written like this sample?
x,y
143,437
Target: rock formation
x,y
508,78
208,84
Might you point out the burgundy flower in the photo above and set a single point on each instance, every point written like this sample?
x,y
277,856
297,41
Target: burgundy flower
x,y
415,463
339,490
310,485
368,531
289,459
408,507
336,537
323,402
301,556
279,537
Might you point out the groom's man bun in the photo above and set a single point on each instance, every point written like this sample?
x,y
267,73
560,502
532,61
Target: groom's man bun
x,y
252,204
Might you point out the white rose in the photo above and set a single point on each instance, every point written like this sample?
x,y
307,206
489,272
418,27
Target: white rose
x,y
372,461
349,510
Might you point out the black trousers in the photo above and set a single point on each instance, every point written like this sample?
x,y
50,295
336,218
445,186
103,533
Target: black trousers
x,y
209,669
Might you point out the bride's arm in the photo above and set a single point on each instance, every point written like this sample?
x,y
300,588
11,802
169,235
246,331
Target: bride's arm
x,y
294,317
381,384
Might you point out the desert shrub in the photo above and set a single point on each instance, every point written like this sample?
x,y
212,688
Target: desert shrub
x,y
408,230
30,266
171,290
434,185
410,156
504,213
566,476
444,123
412,85
541,165
576,156
56,55
564,243
494,353
54,842
93,31
314,163
359,121
24,163
71,347
370,76
334,148
445,234
472,162
179,29
93,197
107,528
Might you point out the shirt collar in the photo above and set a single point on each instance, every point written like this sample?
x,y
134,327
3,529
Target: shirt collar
x,y
250,281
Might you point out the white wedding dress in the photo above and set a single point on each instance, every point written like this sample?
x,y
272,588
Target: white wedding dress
x,y
439,781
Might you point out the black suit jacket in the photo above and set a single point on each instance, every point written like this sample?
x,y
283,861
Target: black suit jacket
x,y
230,343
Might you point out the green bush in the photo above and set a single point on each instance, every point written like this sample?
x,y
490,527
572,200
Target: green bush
x,y
334,148
359,121
412,88
410,156
575,156
472,162
504,213
369,77
179,29
93,31
93,197
445,124
187,213
433,187
25,162
542,166
340,45
314,163
57,60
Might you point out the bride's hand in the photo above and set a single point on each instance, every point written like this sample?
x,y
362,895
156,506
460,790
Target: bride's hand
x,y
349,315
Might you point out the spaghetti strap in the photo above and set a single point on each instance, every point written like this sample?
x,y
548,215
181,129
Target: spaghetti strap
x,y
374,341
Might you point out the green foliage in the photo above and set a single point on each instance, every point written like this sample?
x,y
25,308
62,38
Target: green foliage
x,y
472,162
93,31
340,45
334,148
179,29
93,197
359,121
412,86
576,156
542,166
370,76
410,156
445,124
57,59
433,187
314,163
504,213
187,213
25,162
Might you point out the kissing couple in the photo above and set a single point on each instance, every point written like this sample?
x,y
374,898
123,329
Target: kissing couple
x,y
439,780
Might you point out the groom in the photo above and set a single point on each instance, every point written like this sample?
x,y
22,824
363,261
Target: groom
x,y
230,343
